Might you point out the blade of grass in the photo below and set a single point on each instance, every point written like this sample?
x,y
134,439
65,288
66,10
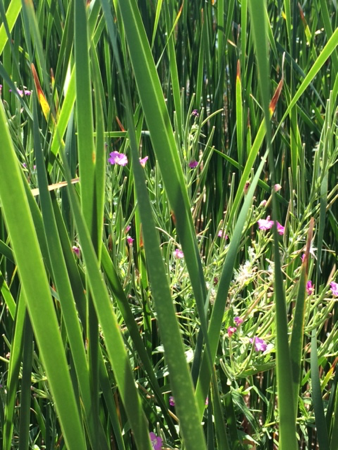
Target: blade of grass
x,y
181,382
36,289
13,374
114,344
163,140
12,15
287,427
318,405
297,336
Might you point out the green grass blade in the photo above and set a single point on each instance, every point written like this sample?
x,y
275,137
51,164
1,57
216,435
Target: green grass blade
x,y
12,15
320,61
224,283
164,145
26,384
180,378
115,347
284,375
85,138
323,438
36,289
13,374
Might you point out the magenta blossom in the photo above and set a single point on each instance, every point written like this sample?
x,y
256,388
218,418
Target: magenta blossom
x,y
127,228
334,288
260,344
231,331
309,287
22,92
130,240
193,164
76,250
280,229
118,158
178,254
238,321
143,161
156,441
222,234
265,224
195,113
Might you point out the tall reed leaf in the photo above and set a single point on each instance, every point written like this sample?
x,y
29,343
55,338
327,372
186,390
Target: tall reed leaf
x,y
180,378
36,289
287,424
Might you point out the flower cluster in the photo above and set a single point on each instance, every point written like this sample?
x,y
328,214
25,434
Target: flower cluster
x,y
267,224
121,159
231,330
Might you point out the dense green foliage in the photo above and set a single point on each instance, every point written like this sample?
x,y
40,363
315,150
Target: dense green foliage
x,y
168,224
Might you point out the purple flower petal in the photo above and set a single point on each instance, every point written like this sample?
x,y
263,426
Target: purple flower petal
x,y
238,321
309,287
280,229
118,158
143,161
156,441
222,234
178,254
265,224
231,331
334,288
260,344
193,164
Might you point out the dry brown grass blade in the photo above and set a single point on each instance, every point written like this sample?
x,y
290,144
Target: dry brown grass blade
x,y
52,187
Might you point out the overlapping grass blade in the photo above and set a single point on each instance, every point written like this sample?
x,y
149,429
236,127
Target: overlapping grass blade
x,y
113,340
12,15
156,116
13,373
287,426
36,290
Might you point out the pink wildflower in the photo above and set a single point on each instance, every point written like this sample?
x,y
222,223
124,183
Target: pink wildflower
x,y
280,229
143,161
193,164
118,158
178,254
309,287
238,321
76,250
231,331
222,234
265,224
156,441
260,344
334,288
